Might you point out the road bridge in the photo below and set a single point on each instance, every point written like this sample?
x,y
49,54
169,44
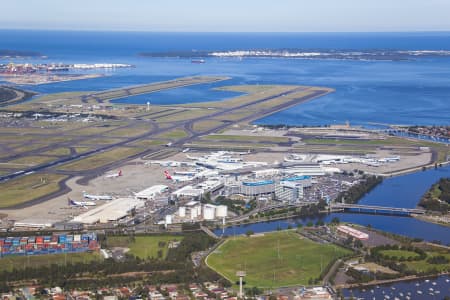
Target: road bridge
x,y
376,209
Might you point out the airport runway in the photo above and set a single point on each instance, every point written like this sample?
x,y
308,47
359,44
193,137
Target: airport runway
x,y
155,130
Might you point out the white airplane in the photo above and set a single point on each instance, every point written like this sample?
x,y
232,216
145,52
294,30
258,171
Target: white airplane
x,y
114,175
178,178
83,204
96,197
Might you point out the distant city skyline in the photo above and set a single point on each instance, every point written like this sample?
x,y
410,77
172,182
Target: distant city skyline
x,y
228,16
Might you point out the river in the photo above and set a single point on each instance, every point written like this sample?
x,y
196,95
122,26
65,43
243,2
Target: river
x,y
401,191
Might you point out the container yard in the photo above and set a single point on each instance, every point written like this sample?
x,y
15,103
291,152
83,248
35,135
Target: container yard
x,y
48,244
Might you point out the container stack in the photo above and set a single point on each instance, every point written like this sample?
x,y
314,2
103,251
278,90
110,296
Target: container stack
x,y
38,245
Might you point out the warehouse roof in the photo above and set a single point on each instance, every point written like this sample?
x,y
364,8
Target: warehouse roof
x,y
111,211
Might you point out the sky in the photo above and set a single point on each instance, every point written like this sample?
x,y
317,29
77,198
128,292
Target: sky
x,y
228,15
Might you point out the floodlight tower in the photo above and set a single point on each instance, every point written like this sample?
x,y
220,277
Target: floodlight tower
x,y
241,275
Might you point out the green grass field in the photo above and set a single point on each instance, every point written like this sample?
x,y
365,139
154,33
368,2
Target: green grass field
x,y
399,253
247,138
27,188
9,263
423,265
144,246
273,260
101,159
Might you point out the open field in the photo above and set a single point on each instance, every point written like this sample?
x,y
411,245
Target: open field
x,y
101,159
147,143
399,253
206,125
32,160
183,115
274,259
174,134
58,152
144,246
27,188
130,131
247,138
253,93
9,263
423,265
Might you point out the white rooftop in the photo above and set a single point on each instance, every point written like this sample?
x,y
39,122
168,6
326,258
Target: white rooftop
x,y
152,191
110,211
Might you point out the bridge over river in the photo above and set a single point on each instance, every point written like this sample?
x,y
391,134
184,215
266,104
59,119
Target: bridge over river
x,y
376,209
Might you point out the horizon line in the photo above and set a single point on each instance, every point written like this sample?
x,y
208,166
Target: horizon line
x,y
242,32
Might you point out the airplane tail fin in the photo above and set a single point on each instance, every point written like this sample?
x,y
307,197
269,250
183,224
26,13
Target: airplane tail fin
x,y
70,202
120,173
166,173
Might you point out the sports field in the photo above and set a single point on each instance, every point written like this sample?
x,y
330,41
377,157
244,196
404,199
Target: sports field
x,y
274,259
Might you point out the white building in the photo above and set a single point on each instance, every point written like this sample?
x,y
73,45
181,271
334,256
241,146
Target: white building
x,y
110,211
188,191
151,192
289,191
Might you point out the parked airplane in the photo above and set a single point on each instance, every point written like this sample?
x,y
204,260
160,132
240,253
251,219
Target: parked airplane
x,y
96,197
114,175
83,204
178,178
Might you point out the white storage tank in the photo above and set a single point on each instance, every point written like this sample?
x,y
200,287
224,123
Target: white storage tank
x,y
194,213
221,211
209,212
168,219
182,211
77,238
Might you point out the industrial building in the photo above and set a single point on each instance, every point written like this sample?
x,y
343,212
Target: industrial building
x,y
198,190
111,211
353,232
151,192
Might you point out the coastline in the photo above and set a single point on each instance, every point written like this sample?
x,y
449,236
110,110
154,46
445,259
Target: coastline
x,y
387,281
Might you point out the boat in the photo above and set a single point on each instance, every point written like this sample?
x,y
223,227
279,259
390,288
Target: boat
x,y
198,61
419,292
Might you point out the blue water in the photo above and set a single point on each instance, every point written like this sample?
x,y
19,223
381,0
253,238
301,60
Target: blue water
x,y
394,92
403,288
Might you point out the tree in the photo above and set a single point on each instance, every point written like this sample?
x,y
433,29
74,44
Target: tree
x,y
249,232
335,220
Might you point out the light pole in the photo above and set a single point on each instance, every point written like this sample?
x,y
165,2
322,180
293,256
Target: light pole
x,y
241,275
